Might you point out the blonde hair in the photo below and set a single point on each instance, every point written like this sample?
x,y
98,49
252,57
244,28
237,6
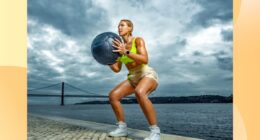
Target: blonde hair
x,y
129,24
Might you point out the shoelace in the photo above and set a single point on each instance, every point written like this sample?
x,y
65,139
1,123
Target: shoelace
x,y
118,127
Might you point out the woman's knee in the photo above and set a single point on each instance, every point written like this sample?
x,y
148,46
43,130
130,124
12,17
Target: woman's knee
x,y
114,96
140,93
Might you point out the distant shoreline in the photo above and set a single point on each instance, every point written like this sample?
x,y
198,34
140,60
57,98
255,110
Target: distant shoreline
x,y
175,100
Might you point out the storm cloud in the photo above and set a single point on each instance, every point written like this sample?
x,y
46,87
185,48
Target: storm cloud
x,y
189,43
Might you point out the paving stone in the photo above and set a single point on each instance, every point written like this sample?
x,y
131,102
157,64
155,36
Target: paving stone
x,y
44,129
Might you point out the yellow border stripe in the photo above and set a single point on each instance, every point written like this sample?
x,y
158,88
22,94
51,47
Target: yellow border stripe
x,y
246,69
13,72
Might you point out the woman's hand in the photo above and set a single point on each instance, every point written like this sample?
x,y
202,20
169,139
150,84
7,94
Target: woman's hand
x,y
121,47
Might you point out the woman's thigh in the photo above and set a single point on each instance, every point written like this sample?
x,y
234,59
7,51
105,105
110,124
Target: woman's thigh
x,y
146,85
122,90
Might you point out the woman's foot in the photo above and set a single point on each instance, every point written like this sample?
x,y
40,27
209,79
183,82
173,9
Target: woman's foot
x,y
155,133
120,131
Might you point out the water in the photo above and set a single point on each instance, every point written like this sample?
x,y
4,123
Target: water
x,y
206,121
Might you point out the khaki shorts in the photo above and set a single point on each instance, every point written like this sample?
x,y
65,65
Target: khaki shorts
x,y
136,74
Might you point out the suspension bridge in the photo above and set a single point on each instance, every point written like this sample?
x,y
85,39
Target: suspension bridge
x,y
62,94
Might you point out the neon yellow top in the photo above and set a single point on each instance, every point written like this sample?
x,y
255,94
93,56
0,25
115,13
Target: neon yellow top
x,y
124,58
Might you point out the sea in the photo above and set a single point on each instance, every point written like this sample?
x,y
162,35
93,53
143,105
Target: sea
x,y
211,121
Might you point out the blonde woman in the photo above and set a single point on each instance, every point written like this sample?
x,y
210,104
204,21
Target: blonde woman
x,y
141,80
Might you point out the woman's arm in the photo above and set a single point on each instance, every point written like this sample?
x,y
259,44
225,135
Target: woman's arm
x,y
142,55
116,67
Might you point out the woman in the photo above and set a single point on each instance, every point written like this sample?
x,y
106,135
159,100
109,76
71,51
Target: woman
x,y
141,80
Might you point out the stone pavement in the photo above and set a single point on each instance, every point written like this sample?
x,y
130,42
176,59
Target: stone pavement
x,y
58,128
44,129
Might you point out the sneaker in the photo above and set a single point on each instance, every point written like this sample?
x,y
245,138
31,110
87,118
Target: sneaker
x,y
155,133
120,131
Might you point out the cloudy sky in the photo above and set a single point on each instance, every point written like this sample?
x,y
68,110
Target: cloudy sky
x,y
189,43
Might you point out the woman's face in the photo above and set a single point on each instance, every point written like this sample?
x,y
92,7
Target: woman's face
x,y
123,28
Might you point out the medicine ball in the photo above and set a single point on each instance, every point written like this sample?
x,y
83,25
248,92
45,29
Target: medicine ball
x,y
102,49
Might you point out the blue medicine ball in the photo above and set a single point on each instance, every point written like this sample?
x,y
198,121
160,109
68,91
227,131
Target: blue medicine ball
x,y
102,49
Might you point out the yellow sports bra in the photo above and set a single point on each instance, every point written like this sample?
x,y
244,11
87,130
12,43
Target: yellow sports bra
x,y
124,58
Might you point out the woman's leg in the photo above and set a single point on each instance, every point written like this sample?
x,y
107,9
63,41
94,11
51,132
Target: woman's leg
x,y
143,89
120,91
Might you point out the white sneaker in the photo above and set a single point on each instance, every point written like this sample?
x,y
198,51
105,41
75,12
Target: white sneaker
x,y
155,133
120,131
